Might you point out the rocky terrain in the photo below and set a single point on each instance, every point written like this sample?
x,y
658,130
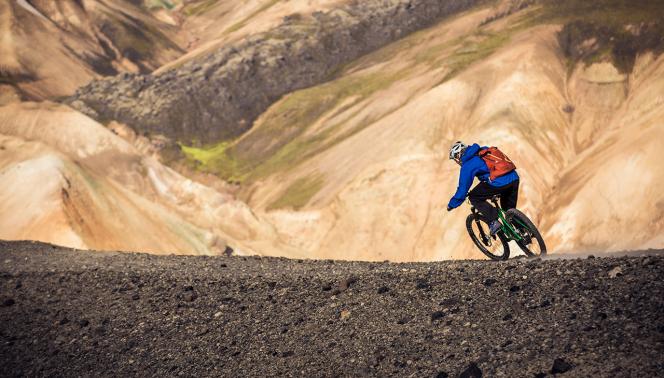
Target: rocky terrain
x,y
244,79
65,312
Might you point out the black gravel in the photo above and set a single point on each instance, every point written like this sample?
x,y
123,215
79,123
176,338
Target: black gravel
x,y
72,313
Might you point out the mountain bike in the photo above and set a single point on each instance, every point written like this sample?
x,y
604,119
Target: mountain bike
x,y
515,225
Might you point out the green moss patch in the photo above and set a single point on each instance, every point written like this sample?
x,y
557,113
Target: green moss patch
x,y
298,194
197,8
240,24
215,159
279,143
285,124
157,4
477,48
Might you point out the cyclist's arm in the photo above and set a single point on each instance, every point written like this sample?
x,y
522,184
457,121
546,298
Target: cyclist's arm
x,y
466,177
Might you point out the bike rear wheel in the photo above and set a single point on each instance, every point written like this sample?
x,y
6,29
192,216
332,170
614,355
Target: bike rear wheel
x,y
531,243
496,247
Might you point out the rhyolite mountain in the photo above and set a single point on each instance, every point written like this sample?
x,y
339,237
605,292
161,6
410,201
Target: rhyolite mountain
x,y
50,48
325,129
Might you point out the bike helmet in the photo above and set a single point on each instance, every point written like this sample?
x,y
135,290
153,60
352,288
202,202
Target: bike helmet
x,y
457,150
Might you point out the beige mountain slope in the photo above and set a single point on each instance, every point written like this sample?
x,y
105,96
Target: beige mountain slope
x,y
67,179
354,168
50,48
357,168
610,197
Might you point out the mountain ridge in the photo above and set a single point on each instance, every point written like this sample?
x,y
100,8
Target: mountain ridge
x,y
289,57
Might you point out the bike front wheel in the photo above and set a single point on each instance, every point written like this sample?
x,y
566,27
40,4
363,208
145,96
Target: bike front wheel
x,y
531,243
495,247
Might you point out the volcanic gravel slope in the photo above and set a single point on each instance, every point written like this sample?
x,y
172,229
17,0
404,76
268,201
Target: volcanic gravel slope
x,y
66,312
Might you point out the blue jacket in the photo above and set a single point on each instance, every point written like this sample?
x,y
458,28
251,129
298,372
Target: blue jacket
x,y
473,166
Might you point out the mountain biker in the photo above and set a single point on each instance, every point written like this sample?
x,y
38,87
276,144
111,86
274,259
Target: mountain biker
x,y
472,165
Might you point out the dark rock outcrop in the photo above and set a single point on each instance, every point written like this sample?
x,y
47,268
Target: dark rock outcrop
x,y
472,371
560,366
588,41
219,95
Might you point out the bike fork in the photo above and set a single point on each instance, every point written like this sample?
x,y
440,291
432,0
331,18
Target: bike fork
x,y
485,239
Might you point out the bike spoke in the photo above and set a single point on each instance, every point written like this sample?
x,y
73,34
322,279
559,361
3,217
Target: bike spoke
x,y
495,247
530,240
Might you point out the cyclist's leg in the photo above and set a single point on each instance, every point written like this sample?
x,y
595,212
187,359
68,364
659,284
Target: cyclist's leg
x,y
509,196
478,197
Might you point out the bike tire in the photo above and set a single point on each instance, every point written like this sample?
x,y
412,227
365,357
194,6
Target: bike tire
x,y
531,232
474,219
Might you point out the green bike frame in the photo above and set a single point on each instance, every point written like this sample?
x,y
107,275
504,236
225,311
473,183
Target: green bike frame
x,y
507,227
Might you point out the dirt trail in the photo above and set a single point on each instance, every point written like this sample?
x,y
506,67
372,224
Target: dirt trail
x,y
65,312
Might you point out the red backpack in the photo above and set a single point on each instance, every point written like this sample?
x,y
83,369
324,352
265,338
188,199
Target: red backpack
x,y
499,164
